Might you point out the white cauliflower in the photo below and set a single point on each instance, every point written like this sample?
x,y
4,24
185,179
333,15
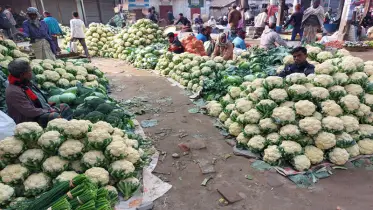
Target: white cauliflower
x,y
296,78
234,92
319,93
301,162
223,116
297,92
66,176
71,149
366,131
289,104
304,108
273,138
288,60
13,174
257,83
331,108
118,132
368,99
132,155
103,126
228,123
310,125
267,125
332,124
354,89
344,140
289,132
251,130
63,83
342,53
36,184
323,80
235,129
51,75
77,166
116,150
6,193
272,154
272,82
54,165
325,140
121,169
98,139
368,69
131,143
278,95
257,95
358,78
28,131
366,146
252,116
214,108
324,68
340,78
290,149
77,129
57,124
347,66
338,156
243,105
50,141
353,151
283,115
363,110
111,189
256,143
98,175
324,55
32,157
93,158
337,91
314,154
242,140
308,85
11,147
350,103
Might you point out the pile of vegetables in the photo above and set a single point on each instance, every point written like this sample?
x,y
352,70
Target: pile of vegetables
x,y
35,159
146,58
192,45
304,120
50,74
97,35
8,52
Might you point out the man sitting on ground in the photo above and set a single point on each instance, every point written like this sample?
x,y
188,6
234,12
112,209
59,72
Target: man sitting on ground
x,y
175,44
270,38
239,41
203,35
26,103
300,64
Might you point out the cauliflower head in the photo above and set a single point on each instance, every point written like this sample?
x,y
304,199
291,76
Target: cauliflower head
x,y
301,162
338,156
314,154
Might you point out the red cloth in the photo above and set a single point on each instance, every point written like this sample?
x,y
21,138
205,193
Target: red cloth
x,y
30,94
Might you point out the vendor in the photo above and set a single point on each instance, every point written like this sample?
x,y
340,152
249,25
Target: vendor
x,y
203,35
37,31
186,23
175,44
300,64
26,103
239,41
270,38
223,48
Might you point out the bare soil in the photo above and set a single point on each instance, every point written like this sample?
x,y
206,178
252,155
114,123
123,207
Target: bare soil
x,y
348,189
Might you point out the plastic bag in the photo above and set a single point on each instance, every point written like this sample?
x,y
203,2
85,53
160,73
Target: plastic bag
x,y
73,47
7,126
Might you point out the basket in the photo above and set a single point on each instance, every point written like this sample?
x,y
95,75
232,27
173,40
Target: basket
x,y
356,49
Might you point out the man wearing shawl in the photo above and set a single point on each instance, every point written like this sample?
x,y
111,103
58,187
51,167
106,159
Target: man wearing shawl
x,y
25,102
40,38
313,20
223,48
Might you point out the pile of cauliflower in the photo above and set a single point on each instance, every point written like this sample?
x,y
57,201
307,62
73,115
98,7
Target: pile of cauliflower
x,y
304,120
62,151
49,74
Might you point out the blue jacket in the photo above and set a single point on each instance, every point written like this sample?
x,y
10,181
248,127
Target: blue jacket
x,y
201,37
305,68
53,27
239,43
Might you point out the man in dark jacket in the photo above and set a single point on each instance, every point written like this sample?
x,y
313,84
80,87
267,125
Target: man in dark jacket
x,y
300,64
5,24
26,103
296,21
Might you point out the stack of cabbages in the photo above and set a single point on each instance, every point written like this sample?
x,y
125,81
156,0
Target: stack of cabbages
x,y
8,52
35,158
191,70
143,33
301,119
49,73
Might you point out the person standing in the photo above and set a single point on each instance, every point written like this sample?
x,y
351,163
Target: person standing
x,y
5,25
239,41
8,14
151,16
37,31
212,23
186,23
296,21
328,15
53,28
223,48
198,22
234,17
260,23
25,102
224,21
270,38
170,17
77,32
313,20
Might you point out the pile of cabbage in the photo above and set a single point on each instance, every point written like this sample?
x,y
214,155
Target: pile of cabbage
x,y
191,70
304,120
49,74
97,35
35,159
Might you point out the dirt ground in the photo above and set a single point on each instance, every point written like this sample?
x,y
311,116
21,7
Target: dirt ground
x,y
169,105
